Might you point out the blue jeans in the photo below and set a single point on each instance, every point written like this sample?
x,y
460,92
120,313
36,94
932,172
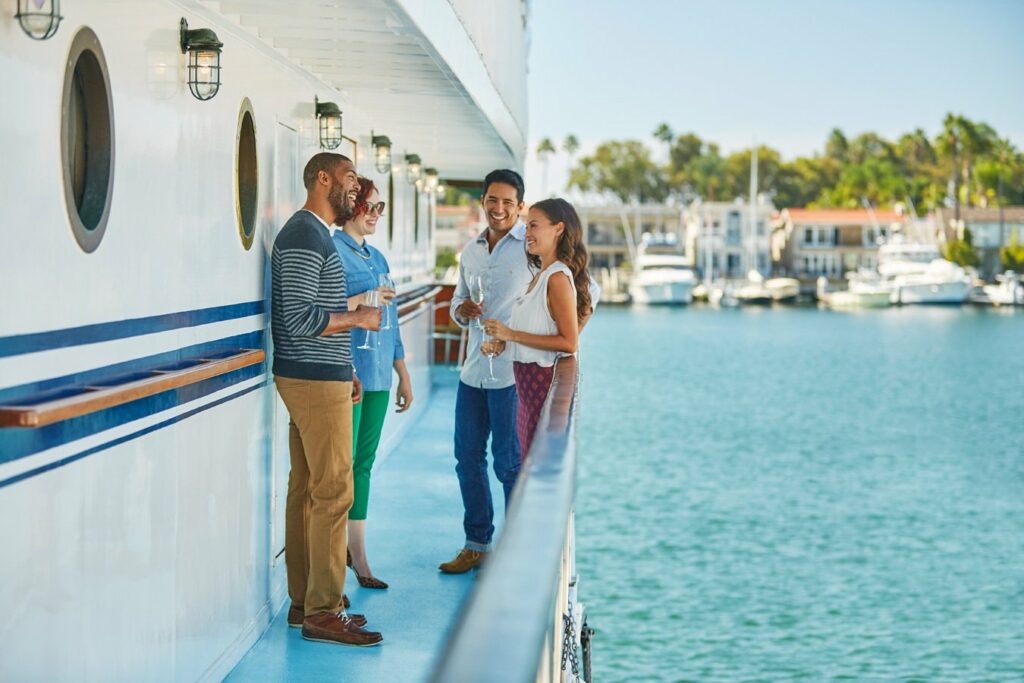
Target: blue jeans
x,y
479,413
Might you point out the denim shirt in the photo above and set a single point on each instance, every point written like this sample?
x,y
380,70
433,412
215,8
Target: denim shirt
x,y
506,274
363,264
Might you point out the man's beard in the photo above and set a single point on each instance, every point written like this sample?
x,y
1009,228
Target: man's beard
x,y
343,210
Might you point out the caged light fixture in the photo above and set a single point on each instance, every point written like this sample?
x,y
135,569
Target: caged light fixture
x,y
328,116
431,179
39,19
202,48
413,168
381,152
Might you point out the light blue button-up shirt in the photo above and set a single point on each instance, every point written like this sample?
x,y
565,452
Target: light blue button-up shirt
x,y
363,265
506,275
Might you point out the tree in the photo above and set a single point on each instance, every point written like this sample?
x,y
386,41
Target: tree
x,y
571,145
623,169
962,252
544,151
1012,257
836,146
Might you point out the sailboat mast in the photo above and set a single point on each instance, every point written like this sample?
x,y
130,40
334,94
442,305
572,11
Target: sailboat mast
x,y
752,227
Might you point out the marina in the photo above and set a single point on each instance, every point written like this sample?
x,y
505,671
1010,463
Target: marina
x,y
825,495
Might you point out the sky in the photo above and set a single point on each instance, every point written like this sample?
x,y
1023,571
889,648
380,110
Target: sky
x,y
783,72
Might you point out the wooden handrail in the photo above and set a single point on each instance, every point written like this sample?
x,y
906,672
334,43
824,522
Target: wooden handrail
x,y
98,397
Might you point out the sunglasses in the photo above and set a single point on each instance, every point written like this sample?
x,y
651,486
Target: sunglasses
x,y
377,208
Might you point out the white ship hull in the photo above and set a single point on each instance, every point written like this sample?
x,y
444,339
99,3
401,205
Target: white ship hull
x,y
955,292
147,536
656,293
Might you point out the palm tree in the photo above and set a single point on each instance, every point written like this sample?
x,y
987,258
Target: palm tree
x,y
544,151
571,145
664,133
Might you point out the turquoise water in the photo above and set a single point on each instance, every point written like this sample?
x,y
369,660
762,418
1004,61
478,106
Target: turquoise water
x,y
795,494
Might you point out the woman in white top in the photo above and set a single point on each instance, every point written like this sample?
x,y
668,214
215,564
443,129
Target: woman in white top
x,y
546,319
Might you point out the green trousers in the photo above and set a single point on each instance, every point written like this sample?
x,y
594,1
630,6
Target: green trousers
x,y
367,421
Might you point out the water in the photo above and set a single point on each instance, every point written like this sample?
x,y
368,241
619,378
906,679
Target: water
x,y
795,494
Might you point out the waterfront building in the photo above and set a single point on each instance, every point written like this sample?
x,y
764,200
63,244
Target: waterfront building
x,y
456,225
809,243
729,238
613,231
991,229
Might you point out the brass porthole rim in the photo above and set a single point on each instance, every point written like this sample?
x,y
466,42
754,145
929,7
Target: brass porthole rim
x,y
85,40
245,108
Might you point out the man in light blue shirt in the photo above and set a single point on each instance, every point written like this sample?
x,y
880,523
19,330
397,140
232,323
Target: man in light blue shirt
x,y
484,408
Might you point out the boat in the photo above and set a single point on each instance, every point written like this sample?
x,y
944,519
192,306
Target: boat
x,y
917,274
722,296
661,273
865,290
1008,290
754,291
784,290
143,447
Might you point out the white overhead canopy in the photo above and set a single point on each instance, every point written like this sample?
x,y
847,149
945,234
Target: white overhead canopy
x,y
408,69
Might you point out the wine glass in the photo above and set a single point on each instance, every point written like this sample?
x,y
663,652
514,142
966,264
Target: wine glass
x,y
372,299
490,349
476,294
384,280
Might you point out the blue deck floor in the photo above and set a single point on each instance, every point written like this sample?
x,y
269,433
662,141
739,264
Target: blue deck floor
x,y
415,523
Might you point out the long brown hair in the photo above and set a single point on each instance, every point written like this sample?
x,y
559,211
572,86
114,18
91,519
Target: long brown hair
x,y
569,250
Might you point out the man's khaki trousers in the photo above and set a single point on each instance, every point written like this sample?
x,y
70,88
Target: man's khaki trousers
x,y
319,490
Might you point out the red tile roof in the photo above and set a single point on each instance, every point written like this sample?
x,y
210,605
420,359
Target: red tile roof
x,y
841,217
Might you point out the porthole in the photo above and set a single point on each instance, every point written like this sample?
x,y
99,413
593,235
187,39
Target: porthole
x,y
87,140
246,175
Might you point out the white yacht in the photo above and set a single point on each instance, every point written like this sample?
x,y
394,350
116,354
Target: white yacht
x,y
661,274
917,274
784,290
1009,290
754,291
866,290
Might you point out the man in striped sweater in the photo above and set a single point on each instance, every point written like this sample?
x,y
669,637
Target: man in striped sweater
x,y
311,324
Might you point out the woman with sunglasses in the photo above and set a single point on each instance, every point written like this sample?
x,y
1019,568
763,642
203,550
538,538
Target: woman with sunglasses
x,y
374,356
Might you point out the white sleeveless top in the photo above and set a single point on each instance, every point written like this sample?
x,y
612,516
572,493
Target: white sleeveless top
x,y
530,313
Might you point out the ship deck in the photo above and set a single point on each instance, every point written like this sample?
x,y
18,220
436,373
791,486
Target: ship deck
x,y
415,523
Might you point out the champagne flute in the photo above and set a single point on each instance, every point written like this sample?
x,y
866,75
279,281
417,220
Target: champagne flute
x,y
372,299
476,294
490,349
384,280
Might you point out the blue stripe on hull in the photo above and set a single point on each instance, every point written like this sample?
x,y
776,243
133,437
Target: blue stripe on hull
x,y
120,329
35,391
20,442
129,437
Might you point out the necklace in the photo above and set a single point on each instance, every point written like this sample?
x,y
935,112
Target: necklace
x,y
359,253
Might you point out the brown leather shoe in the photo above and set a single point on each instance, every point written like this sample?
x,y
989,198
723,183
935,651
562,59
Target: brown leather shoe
x,y
339,630
296,614
466,559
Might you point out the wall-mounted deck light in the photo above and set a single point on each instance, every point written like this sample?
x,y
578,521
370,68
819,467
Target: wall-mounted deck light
x,y
329,117
431,179
39,19
413,168
203,52
381,153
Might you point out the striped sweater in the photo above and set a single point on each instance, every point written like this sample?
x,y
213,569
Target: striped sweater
x,y
308,284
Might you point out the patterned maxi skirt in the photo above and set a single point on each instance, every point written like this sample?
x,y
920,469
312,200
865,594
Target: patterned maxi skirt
x,y
532,384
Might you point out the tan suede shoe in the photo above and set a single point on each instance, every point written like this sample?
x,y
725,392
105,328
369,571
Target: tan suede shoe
x,y
466,559
296,614
339,630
